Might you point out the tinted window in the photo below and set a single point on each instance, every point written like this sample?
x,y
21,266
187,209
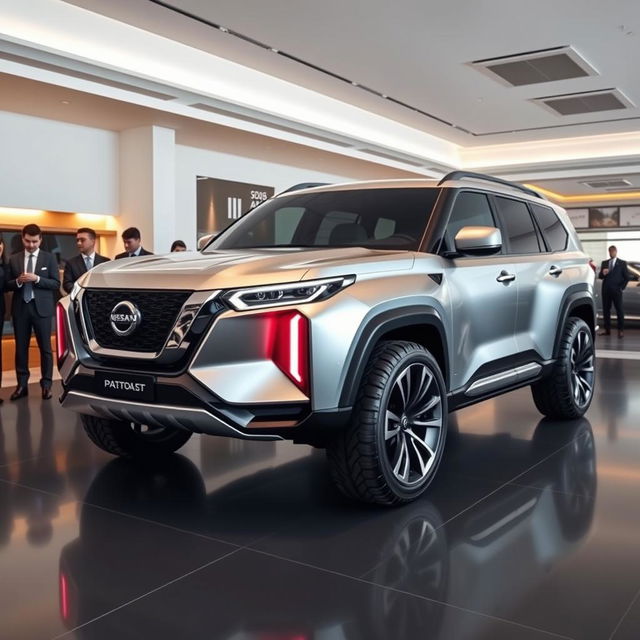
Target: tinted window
x,y
375,218
469,210
553,232
518,226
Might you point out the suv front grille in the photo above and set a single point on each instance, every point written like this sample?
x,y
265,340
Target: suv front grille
x,y
159,311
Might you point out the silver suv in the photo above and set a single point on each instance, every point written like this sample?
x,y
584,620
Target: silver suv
x,y
353,317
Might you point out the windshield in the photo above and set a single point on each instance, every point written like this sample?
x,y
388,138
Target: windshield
x,y
373,218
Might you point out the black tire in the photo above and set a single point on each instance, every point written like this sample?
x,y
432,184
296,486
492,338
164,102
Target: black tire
x,y
362,459
565,395
129,440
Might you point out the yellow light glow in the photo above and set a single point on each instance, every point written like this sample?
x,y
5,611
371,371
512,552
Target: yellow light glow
x,y
20,212
597,197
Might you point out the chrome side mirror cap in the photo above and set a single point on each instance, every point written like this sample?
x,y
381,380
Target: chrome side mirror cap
x,y
478,241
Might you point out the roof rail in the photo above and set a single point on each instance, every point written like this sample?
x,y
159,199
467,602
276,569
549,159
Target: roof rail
x,y
456,175
304,185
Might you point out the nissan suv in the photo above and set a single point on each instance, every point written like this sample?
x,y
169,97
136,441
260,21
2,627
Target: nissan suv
x,y
352,317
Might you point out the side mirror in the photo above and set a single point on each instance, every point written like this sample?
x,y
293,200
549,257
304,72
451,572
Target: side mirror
x,y
478,241
204,240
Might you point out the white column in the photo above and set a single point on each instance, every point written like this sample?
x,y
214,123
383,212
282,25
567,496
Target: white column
x,y
147,185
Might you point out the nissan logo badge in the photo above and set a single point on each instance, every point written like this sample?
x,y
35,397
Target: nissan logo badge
x,y
125,318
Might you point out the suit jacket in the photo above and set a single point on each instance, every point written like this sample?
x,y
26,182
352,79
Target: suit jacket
x,y
75,267
617,278
125,254
3,273
44,291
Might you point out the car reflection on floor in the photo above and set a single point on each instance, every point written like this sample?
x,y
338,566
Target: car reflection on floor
x,y
513,538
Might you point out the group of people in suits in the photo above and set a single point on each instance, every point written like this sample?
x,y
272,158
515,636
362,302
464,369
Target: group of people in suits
x,y
33,277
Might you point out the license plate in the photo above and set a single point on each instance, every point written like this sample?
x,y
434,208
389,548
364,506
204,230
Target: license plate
x,y
125,386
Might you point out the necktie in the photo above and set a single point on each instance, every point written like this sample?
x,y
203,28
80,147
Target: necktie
x,y
87,262
27,287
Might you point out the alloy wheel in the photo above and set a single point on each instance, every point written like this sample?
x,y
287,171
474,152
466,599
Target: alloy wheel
x,y
413,424
582,370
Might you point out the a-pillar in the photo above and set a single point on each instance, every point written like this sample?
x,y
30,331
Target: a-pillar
x,y
147,186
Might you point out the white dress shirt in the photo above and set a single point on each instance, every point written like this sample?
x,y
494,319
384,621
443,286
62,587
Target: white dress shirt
x,y
92,257
26,261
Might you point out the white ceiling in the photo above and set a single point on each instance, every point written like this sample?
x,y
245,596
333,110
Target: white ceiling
x,y
416,52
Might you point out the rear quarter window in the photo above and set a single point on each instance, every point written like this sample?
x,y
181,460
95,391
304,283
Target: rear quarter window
x,y
553,231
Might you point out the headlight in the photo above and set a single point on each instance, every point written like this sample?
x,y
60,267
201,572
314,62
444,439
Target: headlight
x,y
280,295
75,291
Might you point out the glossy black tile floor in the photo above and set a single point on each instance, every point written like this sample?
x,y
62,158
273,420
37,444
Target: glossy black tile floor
x,y
531,530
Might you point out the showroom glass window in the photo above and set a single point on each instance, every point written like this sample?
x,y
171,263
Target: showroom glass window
x,y
518,225
372,218
553,231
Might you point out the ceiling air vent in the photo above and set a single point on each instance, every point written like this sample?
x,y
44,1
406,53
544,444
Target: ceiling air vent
x,y
611,183
571,104
534,67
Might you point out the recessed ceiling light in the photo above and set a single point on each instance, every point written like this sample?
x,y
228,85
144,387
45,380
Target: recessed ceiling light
x,y
65,102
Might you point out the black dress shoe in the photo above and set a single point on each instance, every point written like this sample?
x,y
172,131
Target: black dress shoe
x,y
46,393
20,392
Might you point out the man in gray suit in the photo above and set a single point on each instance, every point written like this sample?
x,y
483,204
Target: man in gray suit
x,y
33,277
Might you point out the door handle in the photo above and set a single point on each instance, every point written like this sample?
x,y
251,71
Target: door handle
x,y
506,277
555,271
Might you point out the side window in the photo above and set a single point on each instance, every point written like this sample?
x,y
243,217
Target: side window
x,y
286,223
518,226
553,232
384,228
332,220
470,209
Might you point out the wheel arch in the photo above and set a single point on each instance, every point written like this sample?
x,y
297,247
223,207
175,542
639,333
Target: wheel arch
x,y
422,325
577,303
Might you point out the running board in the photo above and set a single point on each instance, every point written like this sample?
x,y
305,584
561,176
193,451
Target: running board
x,y
503,379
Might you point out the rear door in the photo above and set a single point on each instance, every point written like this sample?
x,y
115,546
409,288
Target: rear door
x,y
537,242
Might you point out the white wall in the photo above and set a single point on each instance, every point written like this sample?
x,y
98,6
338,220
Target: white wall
x,y
57,166
596,244
192,162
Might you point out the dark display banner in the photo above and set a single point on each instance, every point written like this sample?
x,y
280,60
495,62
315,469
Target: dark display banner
x,y
220,202
605,217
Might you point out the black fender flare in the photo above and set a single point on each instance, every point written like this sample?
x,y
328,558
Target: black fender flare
x,y
575,296
370,333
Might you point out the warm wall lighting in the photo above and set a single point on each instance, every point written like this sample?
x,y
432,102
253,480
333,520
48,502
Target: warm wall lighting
x,y
6,211
57,219
585,199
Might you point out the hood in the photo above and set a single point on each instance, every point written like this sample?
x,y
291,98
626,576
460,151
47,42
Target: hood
x,y
231,268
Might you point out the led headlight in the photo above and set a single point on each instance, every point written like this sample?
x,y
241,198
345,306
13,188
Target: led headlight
x,y
280,295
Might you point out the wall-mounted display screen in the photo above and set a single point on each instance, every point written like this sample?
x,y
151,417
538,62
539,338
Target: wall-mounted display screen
x,y
220,202
605,217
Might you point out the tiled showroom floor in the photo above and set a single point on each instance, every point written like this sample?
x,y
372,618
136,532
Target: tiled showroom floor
x,y
531,530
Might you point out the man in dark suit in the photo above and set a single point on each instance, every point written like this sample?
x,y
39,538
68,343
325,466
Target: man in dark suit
x,y
34,279
615,276
87,259
132,244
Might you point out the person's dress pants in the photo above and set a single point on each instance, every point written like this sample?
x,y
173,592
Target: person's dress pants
x,y
25,321
612,296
